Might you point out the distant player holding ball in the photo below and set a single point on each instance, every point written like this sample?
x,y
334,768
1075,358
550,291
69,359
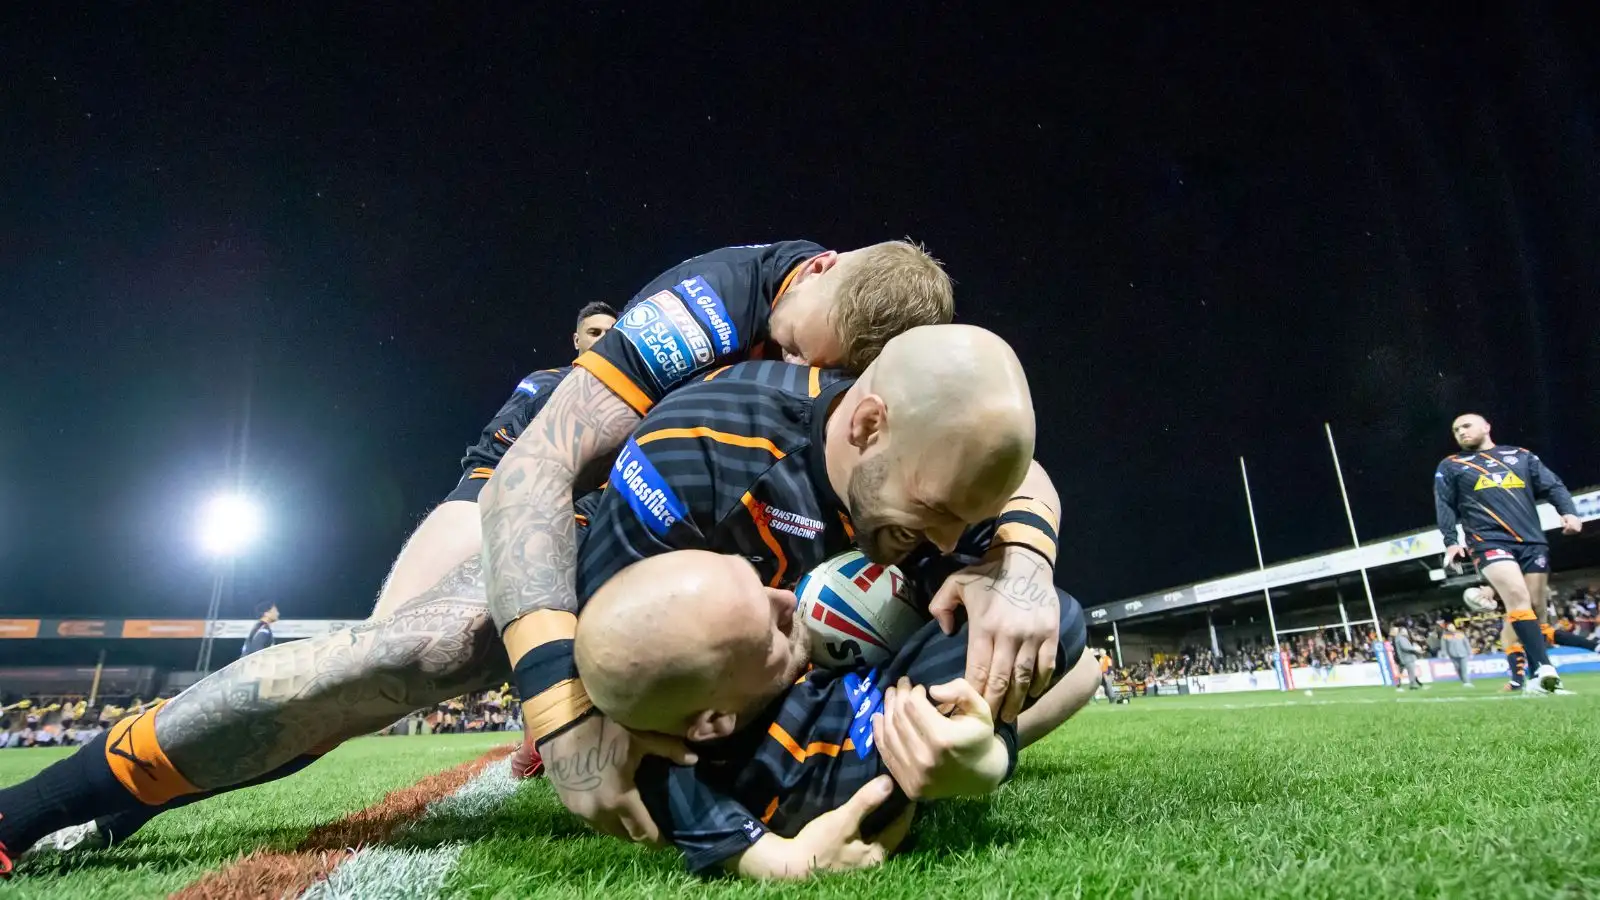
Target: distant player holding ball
x,y
1493,492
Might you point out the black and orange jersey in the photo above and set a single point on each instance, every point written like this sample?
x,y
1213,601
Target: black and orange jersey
x,y
1494,495
731,463
811,752
705,312
530,396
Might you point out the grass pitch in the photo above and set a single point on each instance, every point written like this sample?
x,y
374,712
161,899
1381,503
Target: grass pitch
x,y
1350,792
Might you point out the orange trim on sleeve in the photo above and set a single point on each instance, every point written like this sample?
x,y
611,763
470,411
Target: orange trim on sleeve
x,y
135,757
815,385
716,372
480,473
614,378
721,437
772,810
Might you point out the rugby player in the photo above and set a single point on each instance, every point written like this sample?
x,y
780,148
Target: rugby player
x,y
757,459
1493,493
449,534
775,754
709,310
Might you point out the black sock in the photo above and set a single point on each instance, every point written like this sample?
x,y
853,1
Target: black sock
x,y
120,826
69,792
1532,640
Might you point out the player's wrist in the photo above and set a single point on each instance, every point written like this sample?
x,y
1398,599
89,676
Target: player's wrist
x,y
1026,525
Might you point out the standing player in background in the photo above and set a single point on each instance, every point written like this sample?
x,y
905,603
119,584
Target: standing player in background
x,y
261,635
1493,492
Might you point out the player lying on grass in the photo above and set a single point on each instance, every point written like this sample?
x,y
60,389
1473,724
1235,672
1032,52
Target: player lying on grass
x,y
788,778
936,435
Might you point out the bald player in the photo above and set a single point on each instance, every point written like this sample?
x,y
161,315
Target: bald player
x,y
777,747
1493,493
751,461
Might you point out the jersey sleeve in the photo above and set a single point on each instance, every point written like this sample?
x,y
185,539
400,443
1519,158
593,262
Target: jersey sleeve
x,y
709,311
1444,503
1548,486
484,456
708,827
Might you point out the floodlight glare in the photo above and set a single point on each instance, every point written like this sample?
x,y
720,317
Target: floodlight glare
x,y
229,523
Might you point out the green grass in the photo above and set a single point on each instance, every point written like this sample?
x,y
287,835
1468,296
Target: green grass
x,y
1350,792
181,846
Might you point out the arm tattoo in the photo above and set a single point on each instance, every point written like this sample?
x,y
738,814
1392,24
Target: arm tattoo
x,y
269,707
588,765
1021,578
529,538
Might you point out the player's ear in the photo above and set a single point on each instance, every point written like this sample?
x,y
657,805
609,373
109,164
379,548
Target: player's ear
x,y
710,725
822,262
868,421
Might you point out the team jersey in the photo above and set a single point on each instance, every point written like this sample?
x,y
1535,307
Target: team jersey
x,y
530,396
811,752
1494,495
731,463
705,312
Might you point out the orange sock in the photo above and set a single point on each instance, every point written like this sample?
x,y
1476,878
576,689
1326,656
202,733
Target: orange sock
x,y
136,759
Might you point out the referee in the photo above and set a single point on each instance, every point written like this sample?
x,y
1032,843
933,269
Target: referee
x,y
1493,493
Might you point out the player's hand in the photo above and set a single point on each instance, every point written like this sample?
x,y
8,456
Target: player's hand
x,y
832,842
932,757
1571,524
1453,555
1013,626
591,766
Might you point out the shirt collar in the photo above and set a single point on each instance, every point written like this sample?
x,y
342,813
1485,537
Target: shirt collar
x,y
820,405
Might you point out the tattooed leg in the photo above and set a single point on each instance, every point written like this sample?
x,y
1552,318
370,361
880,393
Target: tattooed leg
x,y
272,706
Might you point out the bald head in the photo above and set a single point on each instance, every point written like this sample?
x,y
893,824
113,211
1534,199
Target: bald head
x,y
942,427
686,643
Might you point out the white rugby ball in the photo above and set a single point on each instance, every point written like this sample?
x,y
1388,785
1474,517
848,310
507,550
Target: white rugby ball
x,y
856,612
1478,599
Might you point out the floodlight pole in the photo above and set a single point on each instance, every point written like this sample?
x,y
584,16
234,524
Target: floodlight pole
x,y
1361,558
203,663
1261,566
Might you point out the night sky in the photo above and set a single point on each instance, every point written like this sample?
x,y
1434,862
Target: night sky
x,y
338,241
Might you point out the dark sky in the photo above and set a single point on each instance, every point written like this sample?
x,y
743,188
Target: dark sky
x,y
1205,231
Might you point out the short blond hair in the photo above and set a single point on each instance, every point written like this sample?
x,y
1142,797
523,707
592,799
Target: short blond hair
x,y
890,288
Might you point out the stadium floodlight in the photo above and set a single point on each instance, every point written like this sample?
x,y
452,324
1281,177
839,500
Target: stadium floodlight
x,y
229,524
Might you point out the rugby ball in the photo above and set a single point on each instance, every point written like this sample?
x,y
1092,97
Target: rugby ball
x,y
857,613
1478,600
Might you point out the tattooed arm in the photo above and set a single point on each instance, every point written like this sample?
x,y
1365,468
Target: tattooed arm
x,y
270,707
1013,613
530,542
529,535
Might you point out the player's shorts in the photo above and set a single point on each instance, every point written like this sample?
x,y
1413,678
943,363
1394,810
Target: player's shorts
x,y
1533,559
470,485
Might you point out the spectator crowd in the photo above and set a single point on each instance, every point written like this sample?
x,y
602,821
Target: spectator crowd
x,y
1575,609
